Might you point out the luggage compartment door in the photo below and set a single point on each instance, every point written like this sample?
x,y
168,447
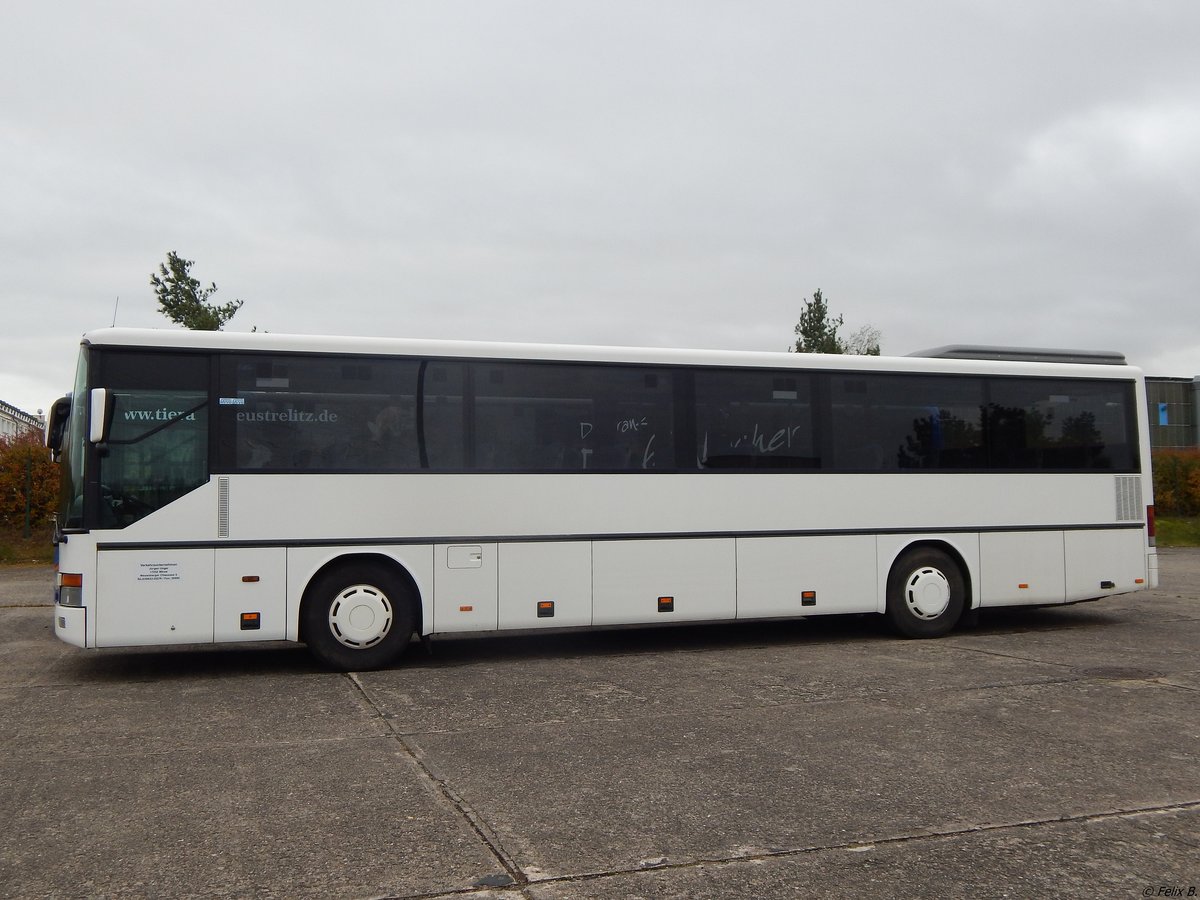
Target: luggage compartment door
x,y
663,581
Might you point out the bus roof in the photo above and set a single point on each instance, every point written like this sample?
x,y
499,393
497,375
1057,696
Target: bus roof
x,y
1077,363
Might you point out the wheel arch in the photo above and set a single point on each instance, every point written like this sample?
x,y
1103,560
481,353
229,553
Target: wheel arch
x,y
348,561
963,551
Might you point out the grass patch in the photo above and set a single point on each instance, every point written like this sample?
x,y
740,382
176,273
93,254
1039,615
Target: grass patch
x,y
16,549
1178,532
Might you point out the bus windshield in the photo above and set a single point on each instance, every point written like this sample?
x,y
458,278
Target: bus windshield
x,y
156,448
73,450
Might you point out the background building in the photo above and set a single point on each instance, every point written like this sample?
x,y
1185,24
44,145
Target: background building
x,y
1172,404
14,421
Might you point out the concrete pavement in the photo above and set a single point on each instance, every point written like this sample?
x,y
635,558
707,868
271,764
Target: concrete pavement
x,y
1049,751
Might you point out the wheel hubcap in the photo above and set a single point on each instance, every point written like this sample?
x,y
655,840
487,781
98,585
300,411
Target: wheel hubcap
x,y
927,593
360,616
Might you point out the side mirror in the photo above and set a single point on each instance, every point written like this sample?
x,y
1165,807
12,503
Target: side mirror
x,y
56,425
99,415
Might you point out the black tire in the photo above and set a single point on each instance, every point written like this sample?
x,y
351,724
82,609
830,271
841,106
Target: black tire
x,y
358,617
926,593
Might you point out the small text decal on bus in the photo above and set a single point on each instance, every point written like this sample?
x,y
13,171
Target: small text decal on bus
x,y
168,571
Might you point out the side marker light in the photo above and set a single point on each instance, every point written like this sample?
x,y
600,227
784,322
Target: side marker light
x,y
808,598
545,609
251,621
666,604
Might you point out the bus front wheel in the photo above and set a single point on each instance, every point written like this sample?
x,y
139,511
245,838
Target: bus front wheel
x,y
357,617
926,593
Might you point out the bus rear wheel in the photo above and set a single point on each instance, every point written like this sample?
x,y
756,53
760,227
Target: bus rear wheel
x,y
357,617
926,593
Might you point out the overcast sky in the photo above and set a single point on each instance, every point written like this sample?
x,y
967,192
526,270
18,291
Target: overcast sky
x,y
654,173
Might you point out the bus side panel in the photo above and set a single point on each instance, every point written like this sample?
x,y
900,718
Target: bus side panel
x,y
558,572
890,546
774,573
1021,568
1100,563
146,597
251,594
466,586
696,576
304,562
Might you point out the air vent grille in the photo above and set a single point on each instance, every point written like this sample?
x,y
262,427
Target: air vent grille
x,y
223,507
1129,498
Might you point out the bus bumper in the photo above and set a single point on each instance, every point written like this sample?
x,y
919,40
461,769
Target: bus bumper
x,y
1152,568
70,624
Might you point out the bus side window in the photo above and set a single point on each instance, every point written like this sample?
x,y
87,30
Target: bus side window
x,y
540,417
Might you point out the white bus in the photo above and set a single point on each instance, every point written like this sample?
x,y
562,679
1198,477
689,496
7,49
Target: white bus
x,y
352,492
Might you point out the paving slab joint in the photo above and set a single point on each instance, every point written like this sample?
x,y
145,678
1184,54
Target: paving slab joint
x,y
476,822
858,846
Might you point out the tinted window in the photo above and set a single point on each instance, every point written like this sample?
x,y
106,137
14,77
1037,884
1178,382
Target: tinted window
x,y
1061,424
296,413
893,422
551,417
157,447
754,420
441,422
292,413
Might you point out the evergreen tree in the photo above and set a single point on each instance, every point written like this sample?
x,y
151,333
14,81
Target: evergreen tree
x,y
182,299
817,332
